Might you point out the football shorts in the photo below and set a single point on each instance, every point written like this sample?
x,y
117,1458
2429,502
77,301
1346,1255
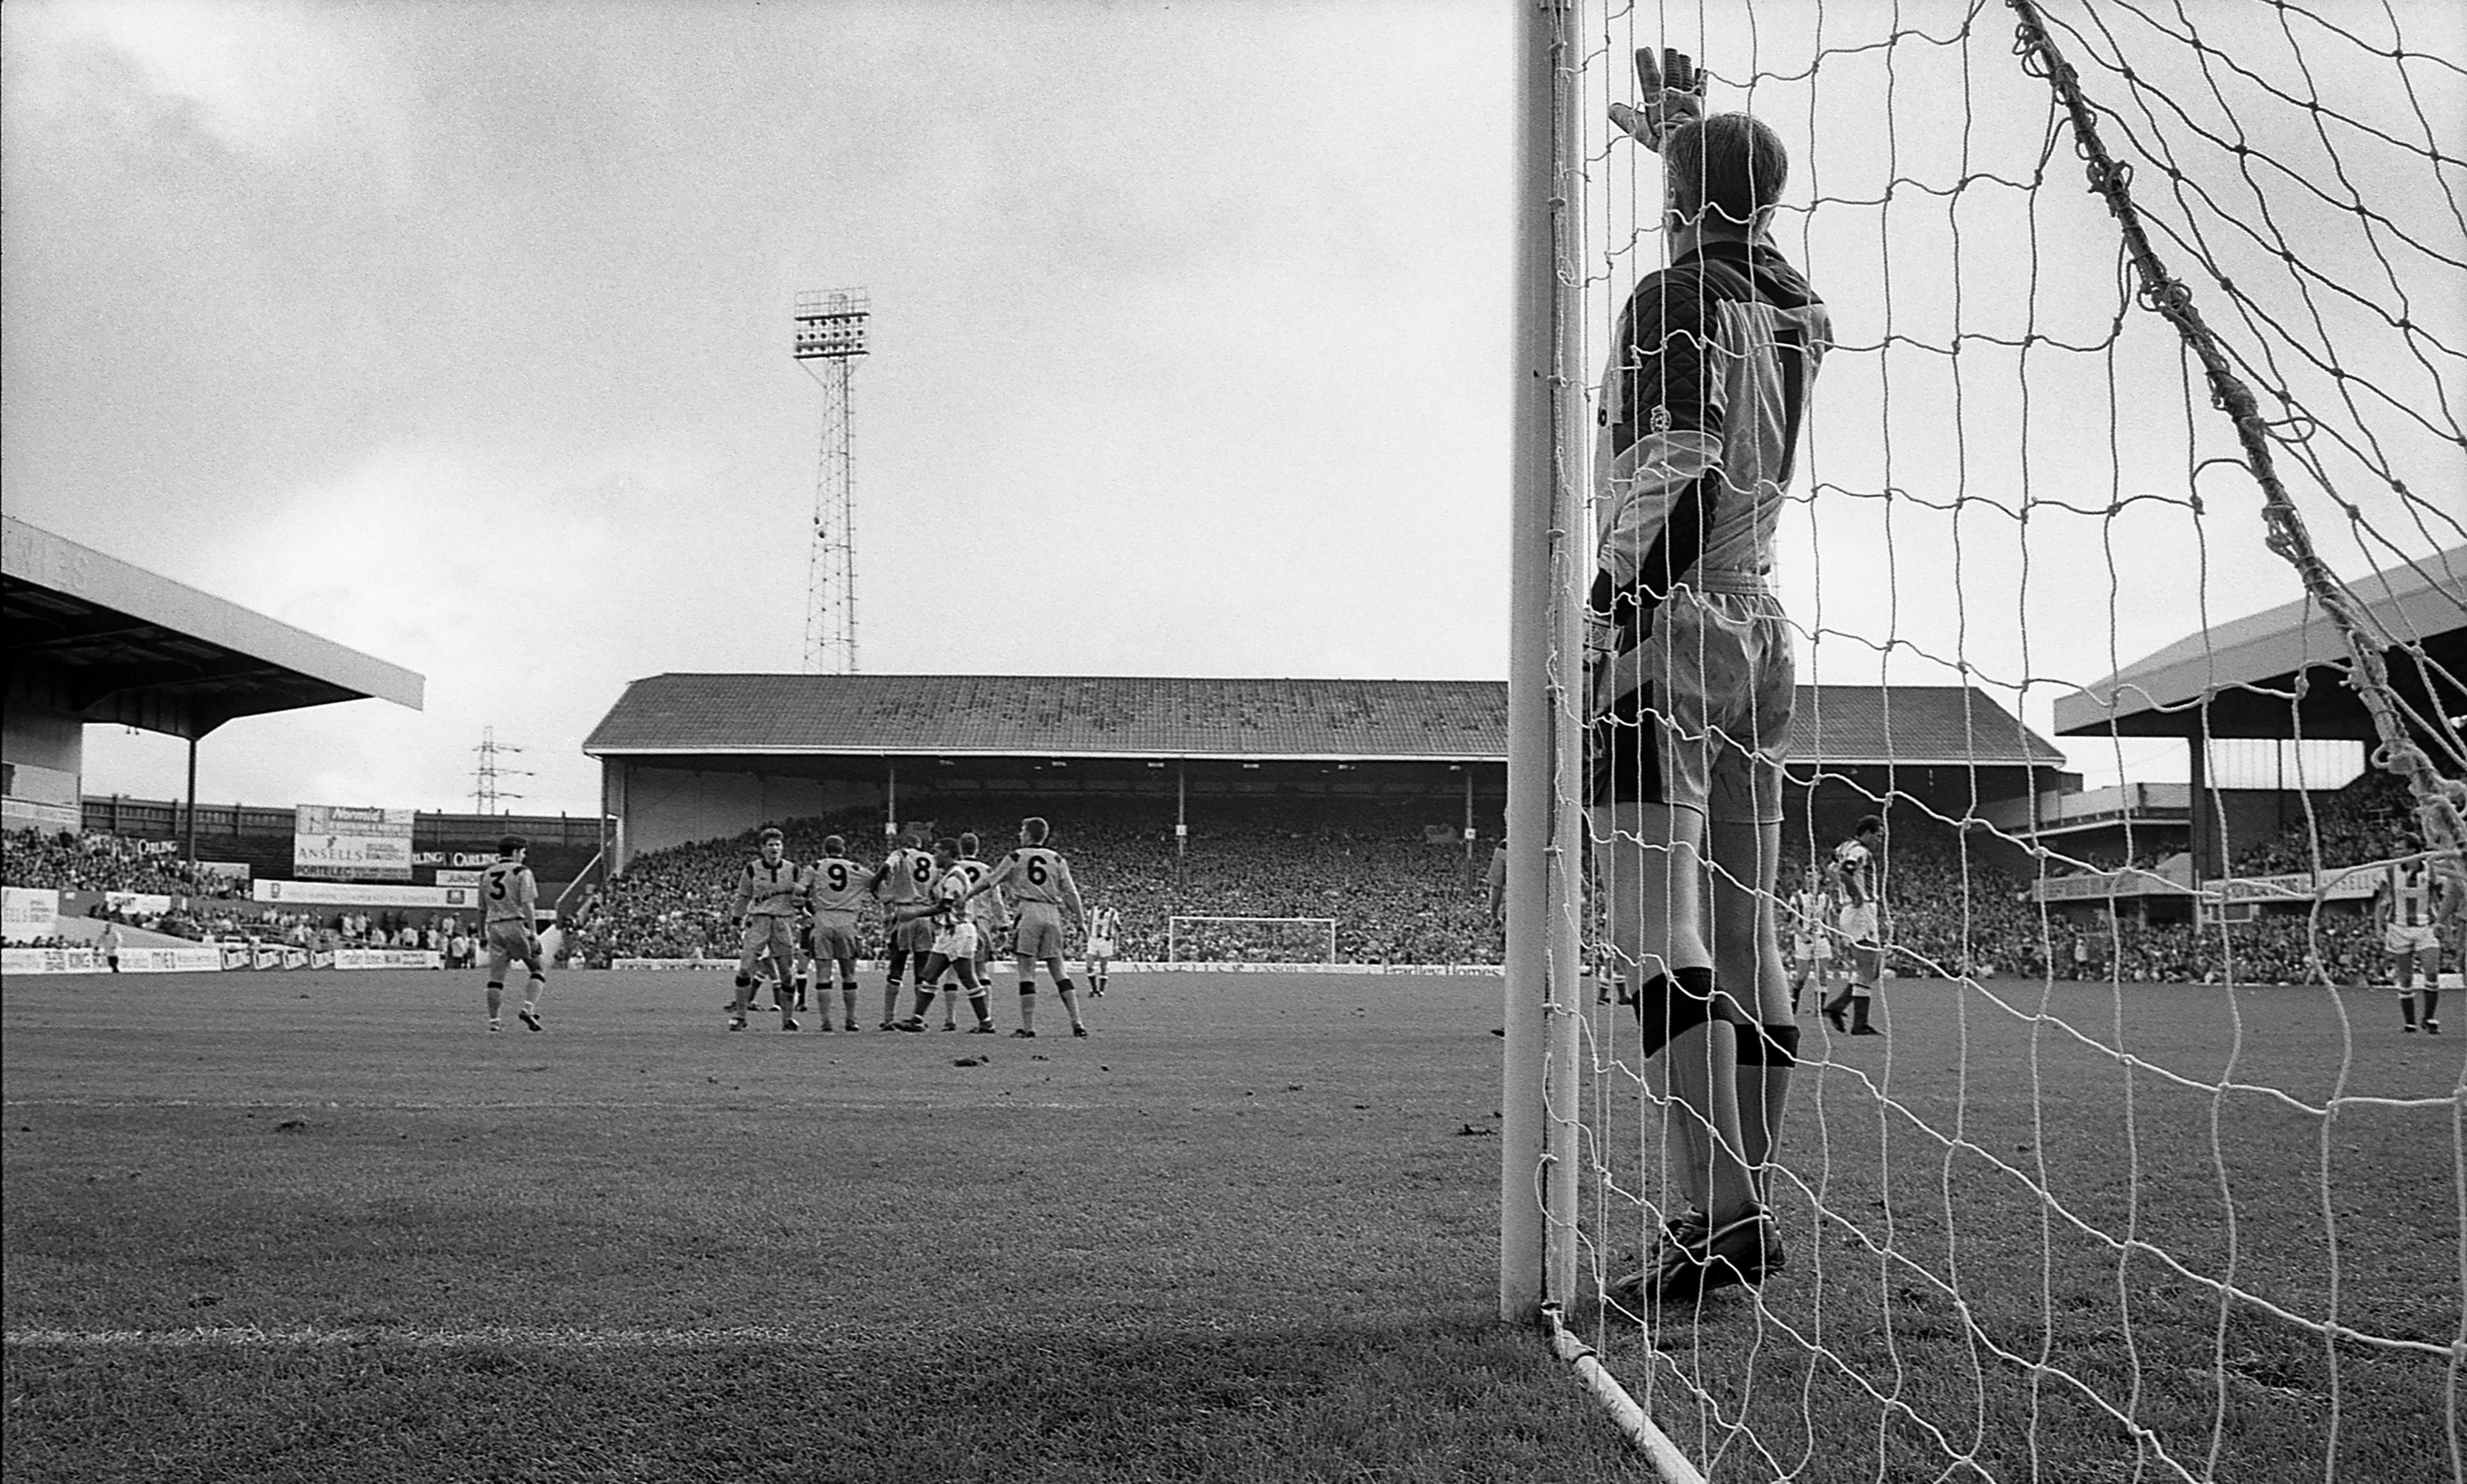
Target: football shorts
x,y
1811,949
2406,942
1859,925
509,942
1100,948
835,941
765,933
1038,935
1697,716
914,936
957,941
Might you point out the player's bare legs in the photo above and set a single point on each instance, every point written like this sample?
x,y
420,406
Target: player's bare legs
x,y
1747,960
1655,859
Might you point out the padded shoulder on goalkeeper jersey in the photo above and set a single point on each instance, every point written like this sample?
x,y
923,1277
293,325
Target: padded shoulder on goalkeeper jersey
x,y
1709,368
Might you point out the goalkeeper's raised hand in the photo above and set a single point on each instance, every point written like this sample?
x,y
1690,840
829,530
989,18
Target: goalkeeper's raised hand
x,y
1670,92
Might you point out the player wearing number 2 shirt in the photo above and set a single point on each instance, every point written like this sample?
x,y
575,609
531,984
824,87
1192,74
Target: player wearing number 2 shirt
x,y
509,894
1037,880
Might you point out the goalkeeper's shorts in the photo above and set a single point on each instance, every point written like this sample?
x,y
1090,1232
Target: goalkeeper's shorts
x,y
1697,715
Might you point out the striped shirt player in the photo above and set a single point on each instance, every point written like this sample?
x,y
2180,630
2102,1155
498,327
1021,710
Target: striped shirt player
x,y
770,891
1104,940
954,944
508,900
2409,899
1810,913
1037,880
1854,866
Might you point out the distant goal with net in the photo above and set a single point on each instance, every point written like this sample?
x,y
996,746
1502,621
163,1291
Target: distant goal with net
x,y
1201,939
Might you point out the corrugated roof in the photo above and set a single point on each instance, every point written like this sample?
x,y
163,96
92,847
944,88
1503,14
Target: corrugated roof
x,y
1127,716
2414,603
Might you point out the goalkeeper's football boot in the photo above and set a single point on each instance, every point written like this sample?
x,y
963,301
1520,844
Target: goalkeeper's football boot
x,y
1734,1252
787,1023
736,1022
495,1025
1080,1032
1022,1034
915,1022
529,1017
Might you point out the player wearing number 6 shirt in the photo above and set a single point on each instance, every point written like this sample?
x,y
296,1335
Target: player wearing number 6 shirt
x,y
835,887
509,894
1038,882
768,891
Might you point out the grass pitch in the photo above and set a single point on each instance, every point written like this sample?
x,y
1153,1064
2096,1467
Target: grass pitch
x,y
314,1227
319,1227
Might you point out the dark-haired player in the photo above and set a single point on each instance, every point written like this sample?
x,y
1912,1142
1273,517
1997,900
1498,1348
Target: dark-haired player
x,y
955,942
508,897
1856,861
1037,880
1690,664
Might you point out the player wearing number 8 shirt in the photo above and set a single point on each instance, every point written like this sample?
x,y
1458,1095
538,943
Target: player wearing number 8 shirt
x,y
508,895
901,885
834,888
767,894
1037,880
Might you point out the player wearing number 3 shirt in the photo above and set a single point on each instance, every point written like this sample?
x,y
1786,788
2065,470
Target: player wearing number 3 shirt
x,y
1037,881
509,896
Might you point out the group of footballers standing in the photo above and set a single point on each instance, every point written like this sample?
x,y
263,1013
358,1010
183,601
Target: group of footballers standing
x,y
946,911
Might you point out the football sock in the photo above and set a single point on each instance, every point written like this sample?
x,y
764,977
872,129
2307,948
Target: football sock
x,y
532,991
496,1000
848,999
890,1000
2431,1002
1070,1000
1859,1005
2405,1007
745,995
980,1005
1027,1004
924,1000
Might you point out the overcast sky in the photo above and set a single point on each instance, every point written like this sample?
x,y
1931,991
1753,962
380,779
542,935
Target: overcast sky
x,y
459,334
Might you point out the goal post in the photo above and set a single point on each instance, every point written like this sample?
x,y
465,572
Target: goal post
x,y
1202,939
2149,324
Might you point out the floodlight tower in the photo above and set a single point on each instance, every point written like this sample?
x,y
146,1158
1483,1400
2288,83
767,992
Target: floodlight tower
x,y
830,336
485,791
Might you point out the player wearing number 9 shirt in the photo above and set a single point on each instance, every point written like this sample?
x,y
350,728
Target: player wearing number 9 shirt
x,y
507,895
1037,880
834,888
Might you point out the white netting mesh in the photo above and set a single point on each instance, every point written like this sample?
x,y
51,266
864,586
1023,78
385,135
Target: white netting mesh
x,y
2143,1179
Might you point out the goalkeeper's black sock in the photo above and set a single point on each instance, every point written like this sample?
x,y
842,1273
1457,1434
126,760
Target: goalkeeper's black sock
x,y
2431,1004
2405,1007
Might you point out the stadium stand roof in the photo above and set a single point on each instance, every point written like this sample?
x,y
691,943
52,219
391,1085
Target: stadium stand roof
x,y
110,643
1284,720
2243,673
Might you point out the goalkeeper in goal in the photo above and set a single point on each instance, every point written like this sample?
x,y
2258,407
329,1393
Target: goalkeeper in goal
x,y
1690,668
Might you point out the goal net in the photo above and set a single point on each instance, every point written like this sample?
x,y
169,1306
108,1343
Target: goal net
x,y
2121,564
1250,940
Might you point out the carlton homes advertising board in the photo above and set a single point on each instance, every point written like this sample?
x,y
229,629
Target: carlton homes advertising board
x,y
337,843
